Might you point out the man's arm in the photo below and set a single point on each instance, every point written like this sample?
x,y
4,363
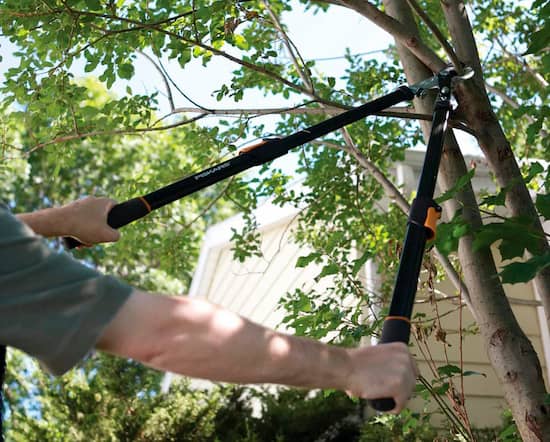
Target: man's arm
x,y
196,338
85,219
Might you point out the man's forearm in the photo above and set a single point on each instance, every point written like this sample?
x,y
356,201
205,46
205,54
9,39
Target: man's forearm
x,y
48,222
227,347
85,219
198,339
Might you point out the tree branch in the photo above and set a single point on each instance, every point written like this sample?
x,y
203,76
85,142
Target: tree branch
x,y
523,63
99,133
437,34
396,112
297,59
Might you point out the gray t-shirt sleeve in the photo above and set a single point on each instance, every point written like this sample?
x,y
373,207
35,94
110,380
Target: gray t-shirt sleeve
x,y
51,306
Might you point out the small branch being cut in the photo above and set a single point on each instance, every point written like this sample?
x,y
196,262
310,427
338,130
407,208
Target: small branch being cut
x,y
99,133
396,112
164,79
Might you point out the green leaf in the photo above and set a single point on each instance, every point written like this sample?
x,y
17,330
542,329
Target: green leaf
x,y
126,71
460,183
540,40
303,261
93,5
329,269
331,81
241,42
515,234
518,272
303,303
543,205
360,262
448,234
534,169
442,389
510,430
495,200
448,370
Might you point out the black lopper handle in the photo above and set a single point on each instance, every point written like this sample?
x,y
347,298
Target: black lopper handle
x,y
395,329
120,215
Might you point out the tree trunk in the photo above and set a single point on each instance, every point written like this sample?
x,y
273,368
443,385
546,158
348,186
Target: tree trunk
x,y
510,352
479,114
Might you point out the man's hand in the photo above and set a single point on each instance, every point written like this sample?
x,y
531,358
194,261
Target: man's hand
x,y
383,371
85,220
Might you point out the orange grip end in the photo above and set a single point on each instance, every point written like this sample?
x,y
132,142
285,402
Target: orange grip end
x,y
397,318
431,222
247,149
145,203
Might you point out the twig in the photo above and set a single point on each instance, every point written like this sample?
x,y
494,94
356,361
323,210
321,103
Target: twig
x,y
297,59
210,204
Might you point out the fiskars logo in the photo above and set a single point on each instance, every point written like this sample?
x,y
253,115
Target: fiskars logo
x,y
212,170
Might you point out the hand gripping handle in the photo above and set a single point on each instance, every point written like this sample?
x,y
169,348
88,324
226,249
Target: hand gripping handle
x,y
120,215
395,329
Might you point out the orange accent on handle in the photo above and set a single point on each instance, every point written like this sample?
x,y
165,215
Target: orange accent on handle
x,y
145,203
398,318
247,149
431,222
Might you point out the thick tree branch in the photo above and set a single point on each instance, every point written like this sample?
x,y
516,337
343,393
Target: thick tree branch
x,y
492,140
437,34
428,57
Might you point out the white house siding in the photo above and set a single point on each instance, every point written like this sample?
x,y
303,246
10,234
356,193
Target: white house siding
x,y
253,289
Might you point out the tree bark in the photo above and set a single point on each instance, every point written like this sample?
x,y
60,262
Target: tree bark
x,y
510,352
479,114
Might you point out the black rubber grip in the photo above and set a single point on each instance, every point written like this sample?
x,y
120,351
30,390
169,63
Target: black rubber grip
x,y
128,211
120,215
386,404
395,329
71,243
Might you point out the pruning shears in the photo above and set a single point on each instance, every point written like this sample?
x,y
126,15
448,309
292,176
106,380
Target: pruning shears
x,y
424,212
